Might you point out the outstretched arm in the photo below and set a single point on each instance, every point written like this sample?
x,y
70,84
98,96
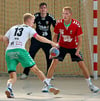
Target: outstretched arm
x,y
45,40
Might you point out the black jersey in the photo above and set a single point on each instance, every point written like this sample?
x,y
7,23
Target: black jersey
x,y
43,25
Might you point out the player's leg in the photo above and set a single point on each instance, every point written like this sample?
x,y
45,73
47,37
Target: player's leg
x,y
39,73
84,69
54,64
46,48
34,47
10,83
55,61
52,68
42,77
27,61
10,57
50,73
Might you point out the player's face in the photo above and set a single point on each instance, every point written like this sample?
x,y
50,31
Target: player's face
x,y
31,21
43,9
66,15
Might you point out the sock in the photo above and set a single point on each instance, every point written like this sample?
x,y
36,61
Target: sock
x,y
9,85
47,81
89,82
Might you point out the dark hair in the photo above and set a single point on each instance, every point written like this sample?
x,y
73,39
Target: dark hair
x,y
42,4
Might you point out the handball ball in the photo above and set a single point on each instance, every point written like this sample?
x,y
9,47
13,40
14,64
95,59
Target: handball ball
x,y
54,52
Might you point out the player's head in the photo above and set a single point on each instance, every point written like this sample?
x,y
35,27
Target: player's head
x,y
43,8
67,13
28,19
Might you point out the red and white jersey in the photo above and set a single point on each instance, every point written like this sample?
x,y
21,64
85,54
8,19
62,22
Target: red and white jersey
x,y
68,36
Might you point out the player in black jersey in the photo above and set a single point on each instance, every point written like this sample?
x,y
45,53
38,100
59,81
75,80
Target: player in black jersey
x,y
43,21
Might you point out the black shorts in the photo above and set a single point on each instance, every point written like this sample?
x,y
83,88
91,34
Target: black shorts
x,y
64,51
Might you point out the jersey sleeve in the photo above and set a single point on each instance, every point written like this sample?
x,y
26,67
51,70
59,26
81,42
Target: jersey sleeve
x,y
7,34
79,31
33,33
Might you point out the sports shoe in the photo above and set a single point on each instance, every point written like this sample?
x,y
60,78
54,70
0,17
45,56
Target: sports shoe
x,y
9,93
53,89
45,89
94,89
23,77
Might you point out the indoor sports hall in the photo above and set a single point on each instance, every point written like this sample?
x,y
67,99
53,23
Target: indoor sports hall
x,y
68,77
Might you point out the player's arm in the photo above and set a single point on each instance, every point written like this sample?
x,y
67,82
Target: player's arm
x,y
45,40
56,30
53,20
55,37
79,35
5,40
79,46
7,36
79,42
1,37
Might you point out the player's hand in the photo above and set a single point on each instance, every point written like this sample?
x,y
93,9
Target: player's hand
x,y
77,54
57,45
54,44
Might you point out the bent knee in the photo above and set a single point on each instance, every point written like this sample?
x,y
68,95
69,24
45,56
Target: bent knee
x,y
35,69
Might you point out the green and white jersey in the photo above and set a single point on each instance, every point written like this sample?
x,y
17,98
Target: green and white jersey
x,y
18,36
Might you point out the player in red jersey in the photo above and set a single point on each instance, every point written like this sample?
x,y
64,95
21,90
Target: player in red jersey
x,y
70,41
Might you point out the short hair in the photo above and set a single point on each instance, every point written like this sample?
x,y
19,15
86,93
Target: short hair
x,y
27,16
68,8
42,4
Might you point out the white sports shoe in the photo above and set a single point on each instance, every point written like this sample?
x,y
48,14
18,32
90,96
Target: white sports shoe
x,y
53,89
9,93
93,88
23,76
45,89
